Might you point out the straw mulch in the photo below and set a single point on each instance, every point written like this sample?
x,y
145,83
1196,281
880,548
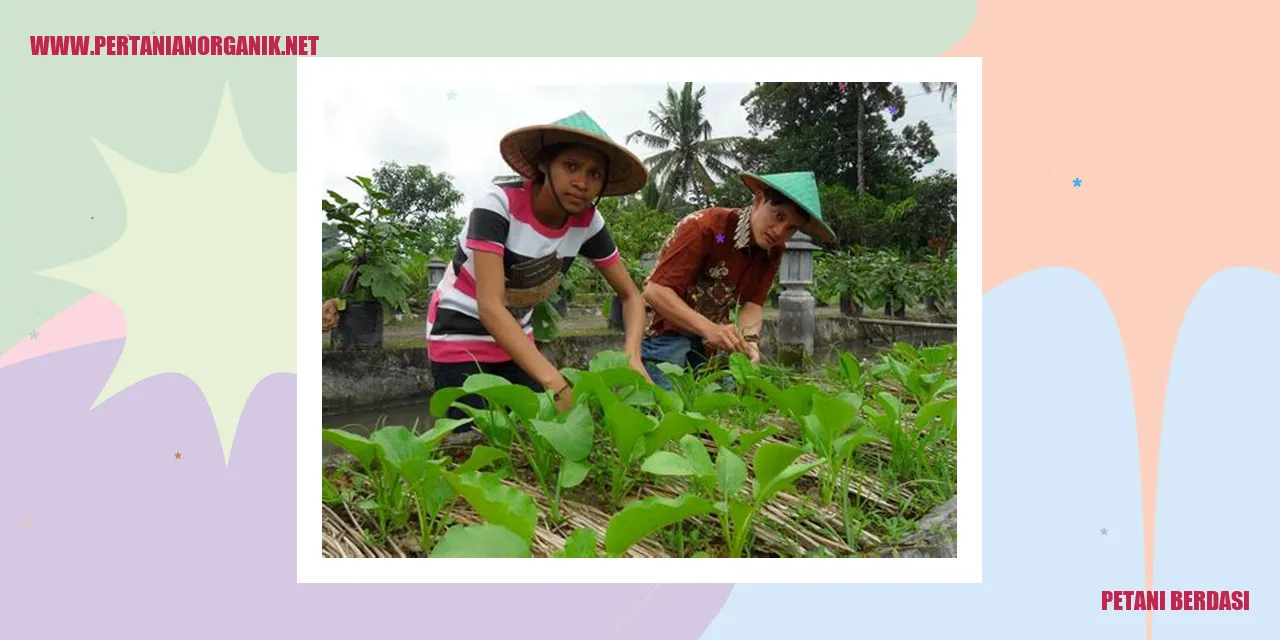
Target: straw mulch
x,y
791,524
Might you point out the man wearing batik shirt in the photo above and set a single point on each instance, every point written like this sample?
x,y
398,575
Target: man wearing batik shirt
x,y
719,258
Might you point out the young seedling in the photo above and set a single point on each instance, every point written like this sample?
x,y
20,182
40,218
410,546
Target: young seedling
x,y
682,380
724,481
648,516
580,544
501,397
775,471
613,371
830,431
904,443
481,541
411,458
852,373
568,438
387,503
497,503
689,383
794,402
525,421
620,393
328,493
626,427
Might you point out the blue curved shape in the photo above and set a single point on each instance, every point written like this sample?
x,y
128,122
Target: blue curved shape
x,y
1217,501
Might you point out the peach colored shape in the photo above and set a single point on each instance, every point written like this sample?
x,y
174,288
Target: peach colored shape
x,y
1152,105
93,318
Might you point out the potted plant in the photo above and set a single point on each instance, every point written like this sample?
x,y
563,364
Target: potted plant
x,y
828,282
844,281
847,276
570,284
861,279
937,283
894,283
372,241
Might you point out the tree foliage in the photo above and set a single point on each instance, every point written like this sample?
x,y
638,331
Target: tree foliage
x,y
424,200
840,131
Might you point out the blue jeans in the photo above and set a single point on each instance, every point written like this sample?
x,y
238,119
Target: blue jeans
x,y
678,349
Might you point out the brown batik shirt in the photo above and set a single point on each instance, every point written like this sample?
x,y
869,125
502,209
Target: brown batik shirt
x,y
709,270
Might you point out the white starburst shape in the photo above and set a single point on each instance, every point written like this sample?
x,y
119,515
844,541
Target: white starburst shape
x,y
205,272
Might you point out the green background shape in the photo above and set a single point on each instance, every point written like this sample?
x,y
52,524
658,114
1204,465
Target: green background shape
x,y
158,112
200,272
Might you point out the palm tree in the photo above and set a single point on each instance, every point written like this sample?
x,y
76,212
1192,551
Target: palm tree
x,y
868,96
946,90
691,160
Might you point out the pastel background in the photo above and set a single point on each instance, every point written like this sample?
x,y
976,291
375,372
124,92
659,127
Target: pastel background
x,y
1127,331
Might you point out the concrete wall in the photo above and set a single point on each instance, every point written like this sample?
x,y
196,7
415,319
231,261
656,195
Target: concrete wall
x,y
354,380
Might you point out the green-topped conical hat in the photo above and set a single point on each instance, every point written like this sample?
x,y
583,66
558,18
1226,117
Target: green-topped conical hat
x,y
521,149
801,188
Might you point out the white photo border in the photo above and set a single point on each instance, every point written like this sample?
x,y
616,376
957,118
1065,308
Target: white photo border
x,y
455,73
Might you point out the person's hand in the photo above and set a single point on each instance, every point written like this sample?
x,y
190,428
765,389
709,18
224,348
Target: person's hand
x,y
753,352
330,314
564,401
638,365
725,337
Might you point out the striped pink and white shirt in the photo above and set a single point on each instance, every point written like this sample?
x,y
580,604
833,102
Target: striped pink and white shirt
x,y
535,257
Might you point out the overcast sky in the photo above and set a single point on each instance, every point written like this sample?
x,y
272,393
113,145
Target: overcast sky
x,y
419,122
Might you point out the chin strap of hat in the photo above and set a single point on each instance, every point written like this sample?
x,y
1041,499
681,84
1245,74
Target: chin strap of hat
x,y
608,166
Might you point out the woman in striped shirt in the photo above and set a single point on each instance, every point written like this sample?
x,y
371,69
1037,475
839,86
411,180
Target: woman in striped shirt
x,y
517,244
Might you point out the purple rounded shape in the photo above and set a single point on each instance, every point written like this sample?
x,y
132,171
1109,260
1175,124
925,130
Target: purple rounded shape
x,y
106,532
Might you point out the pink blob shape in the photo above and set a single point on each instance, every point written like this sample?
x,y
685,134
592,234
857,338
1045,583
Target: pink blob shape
x,y
94,318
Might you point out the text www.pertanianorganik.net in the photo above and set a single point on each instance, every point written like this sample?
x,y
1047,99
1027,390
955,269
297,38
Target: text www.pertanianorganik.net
x,y
153,45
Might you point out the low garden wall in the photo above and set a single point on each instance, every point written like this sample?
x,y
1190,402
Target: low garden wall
x,y
354,380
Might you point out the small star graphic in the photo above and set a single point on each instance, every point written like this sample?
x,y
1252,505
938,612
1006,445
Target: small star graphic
x,y
1076,182
452,94
177,456
720,238
26,524
842,86
34,334
1104,532
893,111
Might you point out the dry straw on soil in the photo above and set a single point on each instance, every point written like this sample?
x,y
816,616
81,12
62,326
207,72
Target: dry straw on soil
x,y
792,524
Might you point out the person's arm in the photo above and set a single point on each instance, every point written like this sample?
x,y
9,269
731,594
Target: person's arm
x,y
632,310
505,329
751,316
486,236
671,306
603,253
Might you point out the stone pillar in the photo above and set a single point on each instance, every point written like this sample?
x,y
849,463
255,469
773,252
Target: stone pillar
x,y
796,317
